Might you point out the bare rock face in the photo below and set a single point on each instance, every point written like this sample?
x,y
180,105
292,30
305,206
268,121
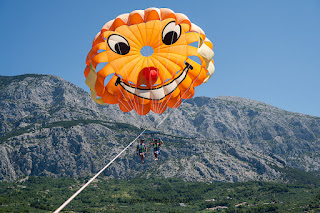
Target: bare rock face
x,y
52,127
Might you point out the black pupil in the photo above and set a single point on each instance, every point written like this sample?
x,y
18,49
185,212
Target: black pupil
x,y
170,38
122,48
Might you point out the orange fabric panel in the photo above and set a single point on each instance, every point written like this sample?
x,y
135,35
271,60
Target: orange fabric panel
x,y
125,106
158,107
109,98
167,13
141,109
182,19
174,102
136,17
152,14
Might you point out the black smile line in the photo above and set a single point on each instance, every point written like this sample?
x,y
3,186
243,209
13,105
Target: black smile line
x,y
133,90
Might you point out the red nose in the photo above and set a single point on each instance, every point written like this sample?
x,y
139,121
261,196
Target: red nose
x,y
150,73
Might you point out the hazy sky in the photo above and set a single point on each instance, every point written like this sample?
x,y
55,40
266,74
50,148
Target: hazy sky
x,y
264,50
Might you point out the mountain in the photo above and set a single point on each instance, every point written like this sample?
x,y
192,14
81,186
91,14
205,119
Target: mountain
x,y
52,127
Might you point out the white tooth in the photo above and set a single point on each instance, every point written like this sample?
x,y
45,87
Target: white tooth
x,y
170,87
143,93
157,94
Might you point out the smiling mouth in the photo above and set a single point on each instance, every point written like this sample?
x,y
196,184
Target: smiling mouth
x,y
155,93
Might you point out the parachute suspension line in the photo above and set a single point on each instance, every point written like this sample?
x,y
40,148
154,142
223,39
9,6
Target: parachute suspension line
x,y
159,61
125,69
174,106
140,122
130,144
168,98
159,107
94,177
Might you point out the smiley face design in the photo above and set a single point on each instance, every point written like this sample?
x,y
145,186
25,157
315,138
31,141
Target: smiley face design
x,y
145,61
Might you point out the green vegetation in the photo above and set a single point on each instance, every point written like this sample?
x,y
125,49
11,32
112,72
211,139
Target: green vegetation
x,y
43,194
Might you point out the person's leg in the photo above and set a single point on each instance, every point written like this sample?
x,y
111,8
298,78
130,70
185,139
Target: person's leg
x,y
156,155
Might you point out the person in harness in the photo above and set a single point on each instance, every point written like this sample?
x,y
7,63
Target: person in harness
x,y
156,147
141,150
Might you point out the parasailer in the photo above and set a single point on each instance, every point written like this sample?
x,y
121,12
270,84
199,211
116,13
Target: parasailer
x,y
141,150
156,143
147,61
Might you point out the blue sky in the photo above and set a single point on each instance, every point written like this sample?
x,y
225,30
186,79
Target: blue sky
x,y
264,50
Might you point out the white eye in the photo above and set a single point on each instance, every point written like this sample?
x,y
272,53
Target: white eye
x,y
118,44
171,33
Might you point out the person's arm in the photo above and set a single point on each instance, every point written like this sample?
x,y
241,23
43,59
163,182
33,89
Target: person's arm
x,y
161,142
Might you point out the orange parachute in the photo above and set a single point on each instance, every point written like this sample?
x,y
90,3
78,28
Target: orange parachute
x,y
146,59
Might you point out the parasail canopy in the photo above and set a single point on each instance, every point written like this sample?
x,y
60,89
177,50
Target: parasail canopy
x,y
147,60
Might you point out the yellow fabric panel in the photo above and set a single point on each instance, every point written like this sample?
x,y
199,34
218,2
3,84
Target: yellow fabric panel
x,y
120,66
134,73
130,37
155,38
105,71
192,37
185,27
129,70
164,74
114,57
90,81
171,66
99,58
179,59
143,32
99,88
178,49
153,33
136,32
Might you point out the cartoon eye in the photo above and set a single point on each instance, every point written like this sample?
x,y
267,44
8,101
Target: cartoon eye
x,y
171,33
118,44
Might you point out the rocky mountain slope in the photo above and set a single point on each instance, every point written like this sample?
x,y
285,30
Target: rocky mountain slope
x,y
49,126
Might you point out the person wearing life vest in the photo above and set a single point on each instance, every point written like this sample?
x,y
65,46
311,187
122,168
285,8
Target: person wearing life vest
x,y
156,147
141,150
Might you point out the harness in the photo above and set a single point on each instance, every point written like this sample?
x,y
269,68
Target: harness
x,y
141,148
156,147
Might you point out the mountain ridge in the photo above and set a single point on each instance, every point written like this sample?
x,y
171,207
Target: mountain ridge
x,y
52,127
